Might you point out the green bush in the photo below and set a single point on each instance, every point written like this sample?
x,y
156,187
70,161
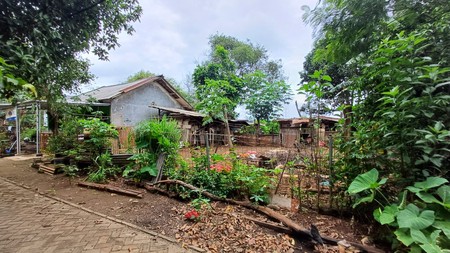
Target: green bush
x,y
154,137
227,177
105,169
419,217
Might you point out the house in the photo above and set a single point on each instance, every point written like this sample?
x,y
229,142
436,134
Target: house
x,y
128,103
293,131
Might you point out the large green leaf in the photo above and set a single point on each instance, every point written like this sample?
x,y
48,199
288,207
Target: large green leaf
x,y
364,199
412,218
444,193
427,197
377,214
404,236
431,182
388,214
365,181
430,244
444,226
152,170
431,248
419,236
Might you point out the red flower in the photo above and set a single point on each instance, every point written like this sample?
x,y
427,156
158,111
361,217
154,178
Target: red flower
x,y
221,167
192,215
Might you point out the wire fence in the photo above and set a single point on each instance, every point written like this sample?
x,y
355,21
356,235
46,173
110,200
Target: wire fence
x,y
307,176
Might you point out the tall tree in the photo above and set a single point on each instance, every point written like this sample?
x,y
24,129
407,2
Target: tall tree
x,y
45,39
217,89
398,80
241,59
265,98
139,75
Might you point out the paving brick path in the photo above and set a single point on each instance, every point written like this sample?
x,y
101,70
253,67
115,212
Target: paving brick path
x,y
30,222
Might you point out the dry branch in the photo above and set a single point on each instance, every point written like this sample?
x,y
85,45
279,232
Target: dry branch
x,y
112,189
294,228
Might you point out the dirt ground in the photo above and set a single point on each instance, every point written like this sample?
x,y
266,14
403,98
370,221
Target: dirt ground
x,y
221,229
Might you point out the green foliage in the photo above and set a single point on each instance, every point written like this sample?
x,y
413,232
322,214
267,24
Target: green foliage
x,y
45,40
227,177
266,127
105,169
11,85
66,142
154,137
366,182
265,98
200,203
140,75
29,133
158,136
144,167
100,134
71,171
215,102
243,73
394,80
97,176
245,56
66,139
419,225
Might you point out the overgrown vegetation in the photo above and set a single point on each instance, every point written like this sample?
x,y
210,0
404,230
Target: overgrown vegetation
x,y
419,217
391,81
154,138
225,176
93,148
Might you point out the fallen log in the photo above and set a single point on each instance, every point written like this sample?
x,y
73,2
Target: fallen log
x,y
112,189
269,225
326,239
295,228
159,190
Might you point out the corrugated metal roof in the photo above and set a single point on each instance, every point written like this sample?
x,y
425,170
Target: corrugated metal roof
x,y
111,91
107,93
335,119
179,111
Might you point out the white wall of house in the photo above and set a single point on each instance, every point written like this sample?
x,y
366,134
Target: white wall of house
x,y
132,107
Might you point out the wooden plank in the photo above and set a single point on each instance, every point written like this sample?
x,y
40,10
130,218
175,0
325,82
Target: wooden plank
x,y
46,169
113,189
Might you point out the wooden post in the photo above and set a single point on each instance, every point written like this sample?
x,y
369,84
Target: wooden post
x,y
208,162
227,127
18,151
330,164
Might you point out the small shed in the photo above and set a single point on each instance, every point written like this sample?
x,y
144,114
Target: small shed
x,y
191,125
296,130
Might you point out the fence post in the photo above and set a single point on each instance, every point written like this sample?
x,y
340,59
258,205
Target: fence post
x,y
208,162
330,161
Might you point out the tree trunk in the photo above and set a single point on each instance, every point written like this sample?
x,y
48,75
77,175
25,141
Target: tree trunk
x,y
227,127
347,121
258,131
53,122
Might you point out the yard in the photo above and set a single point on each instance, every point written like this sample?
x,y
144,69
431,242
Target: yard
x,y
223,228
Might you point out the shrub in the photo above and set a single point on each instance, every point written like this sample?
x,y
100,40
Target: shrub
x,y
420,220
227,177
154,137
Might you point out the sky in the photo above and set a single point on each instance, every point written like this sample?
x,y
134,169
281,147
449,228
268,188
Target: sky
x,y
172,38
